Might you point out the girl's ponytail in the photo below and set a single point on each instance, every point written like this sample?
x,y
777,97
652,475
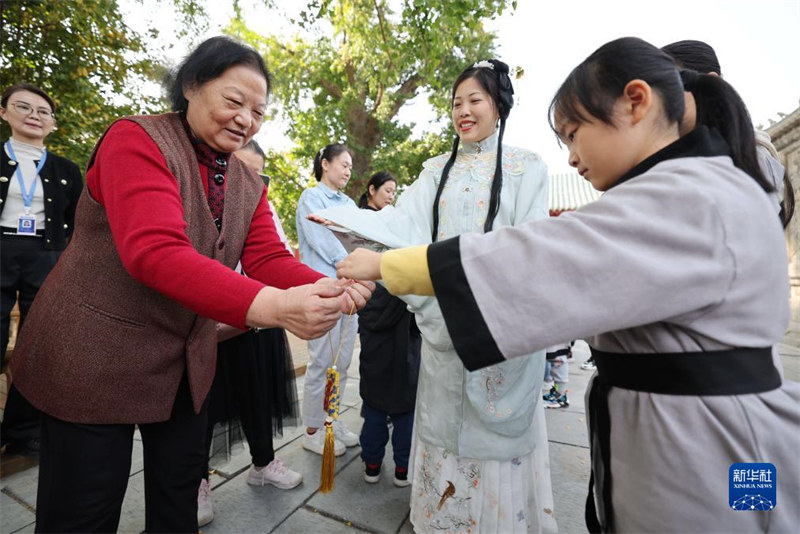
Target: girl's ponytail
x,y
719,106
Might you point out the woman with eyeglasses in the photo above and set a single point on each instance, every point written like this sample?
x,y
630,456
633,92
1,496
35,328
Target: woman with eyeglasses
x,y
38,194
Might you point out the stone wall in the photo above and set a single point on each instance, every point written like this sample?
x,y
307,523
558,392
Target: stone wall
x,y
786,138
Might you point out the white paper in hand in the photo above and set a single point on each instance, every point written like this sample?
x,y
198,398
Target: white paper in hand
x,y
350,240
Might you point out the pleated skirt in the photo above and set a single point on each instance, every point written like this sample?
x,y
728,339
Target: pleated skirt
x,y
452,494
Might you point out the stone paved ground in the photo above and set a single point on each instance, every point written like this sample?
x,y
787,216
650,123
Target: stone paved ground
x,y
353,506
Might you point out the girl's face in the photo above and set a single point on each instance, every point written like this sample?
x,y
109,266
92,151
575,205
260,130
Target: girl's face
x,y
383,196
336,172
226,112
474,113
600,152
29,116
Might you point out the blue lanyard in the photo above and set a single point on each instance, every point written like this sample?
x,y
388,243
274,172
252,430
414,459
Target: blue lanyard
x,y
27,196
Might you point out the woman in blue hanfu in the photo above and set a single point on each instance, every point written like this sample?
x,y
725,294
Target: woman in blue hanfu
x,y
480,459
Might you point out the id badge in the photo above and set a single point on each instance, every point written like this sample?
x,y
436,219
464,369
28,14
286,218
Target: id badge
x,y
26,225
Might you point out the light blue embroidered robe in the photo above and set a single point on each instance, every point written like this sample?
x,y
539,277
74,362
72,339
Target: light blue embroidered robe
x,y
460,411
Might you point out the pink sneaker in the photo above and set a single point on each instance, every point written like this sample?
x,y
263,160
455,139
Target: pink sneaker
x,y
276,473
205,506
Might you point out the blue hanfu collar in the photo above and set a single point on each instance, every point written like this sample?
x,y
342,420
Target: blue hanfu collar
x,y
487,145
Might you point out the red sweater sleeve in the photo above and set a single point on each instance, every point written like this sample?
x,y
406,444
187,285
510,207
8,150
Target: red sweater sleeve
x,y
140,195
265,257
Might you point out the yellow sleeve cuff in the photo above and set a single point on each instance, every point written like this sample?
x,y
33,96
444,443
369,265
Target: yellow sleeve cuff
x,y
405,271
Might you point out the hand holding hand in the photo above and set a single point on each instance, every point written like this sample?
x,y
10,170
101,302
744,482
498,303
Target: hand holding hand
x,y
361,264
356,293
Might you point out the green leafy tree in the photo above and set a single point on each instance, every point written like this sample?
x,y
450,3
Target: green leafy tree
x,y
348,81
87,59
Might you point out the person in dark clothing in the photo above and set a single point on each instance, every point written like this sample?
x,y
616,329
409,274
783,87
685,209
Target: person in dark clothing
x,y
389,365
39,191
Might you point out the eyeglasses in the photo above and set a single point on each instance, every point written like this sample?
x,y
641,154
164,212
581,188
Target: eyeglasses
x,y
26,109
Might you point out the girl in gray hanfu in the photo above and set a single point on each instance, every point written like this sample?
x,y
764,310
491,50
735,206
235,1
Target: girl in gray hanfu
x,y
679,272
480,459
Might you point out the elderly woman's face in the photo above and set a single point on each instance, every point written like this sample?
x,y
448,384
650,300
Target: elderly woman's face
x,y
227,111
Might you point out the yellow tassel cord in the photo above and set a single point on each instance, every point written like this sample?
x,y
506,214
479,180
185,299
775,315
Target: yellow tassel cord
x,y
332,409
331,406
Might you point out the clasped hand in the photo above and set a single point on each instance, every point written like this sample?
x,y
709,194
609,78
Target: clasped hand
x,y
310,310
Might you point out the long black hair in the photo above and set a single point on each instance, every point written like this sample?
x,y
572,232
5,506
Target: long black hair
x,y
376,180
329,152
209,61
597,83
493,77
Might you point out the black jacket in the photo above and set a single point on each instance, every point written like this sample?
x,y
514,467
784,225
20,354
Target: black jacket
x,y
62,183
390,353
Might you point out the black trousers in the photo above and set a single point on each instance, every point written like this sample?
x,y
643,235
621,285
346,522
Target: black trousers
x,y
84,470
24,265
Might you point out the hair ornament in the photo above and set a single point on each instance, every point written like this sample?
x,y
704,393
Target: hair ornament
x,y
484,64
321,151
689,79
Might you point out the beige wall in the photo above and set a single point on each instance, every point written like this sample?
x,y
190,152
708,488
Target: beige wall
x,y
786,138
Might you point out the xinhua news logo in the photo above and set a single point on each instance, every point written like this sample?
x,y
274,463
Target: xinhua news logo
x,y
752,487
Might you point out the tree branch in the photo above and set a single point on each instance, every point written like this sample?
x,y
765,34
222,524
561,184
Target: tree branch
x,y
331,88
290,178
381,25
406,91
378,99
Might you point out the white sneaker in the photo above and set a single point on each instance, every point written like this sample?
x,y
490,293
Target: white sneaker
x,y
276,473
205,506
316,443
343,434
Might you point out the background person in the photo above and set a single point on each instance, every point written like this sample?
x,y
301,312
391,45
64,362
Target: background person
x,y
253,391
388,364
40,190
320,250
381,190
557,367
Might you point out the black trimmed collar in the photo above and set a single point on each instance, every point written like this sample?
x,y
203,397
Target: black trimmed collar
x,y
702,142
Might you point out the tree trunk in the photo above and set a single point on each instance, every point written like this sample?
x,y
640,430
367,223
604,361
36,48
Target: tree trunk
x,y
363,140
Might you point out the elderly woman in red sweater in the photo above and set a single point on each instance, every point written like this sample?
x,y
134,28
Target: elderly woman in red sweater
x,y
123,331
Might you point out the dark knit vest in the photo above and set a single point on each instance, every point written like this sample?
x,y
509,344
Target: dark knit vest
x,y
100,347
